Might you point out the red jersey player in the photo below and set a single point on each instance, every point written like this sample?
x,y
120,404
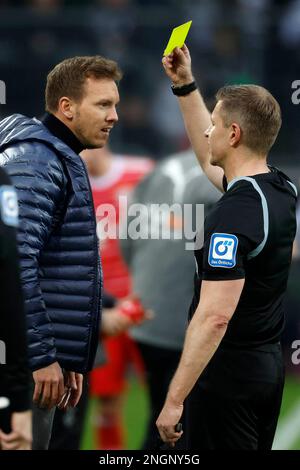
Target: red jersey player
x,y
113,176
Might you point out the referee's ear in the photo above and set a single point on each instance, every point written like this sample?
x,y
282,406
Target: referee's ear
x,y
235,135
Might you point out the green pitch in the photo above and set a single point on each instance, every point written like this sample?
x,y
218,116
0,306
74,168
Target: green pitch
x,y
136,413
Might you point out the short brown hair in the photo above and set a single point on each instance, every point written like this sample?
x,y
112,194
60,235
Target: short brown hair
x,y
255,110
68,77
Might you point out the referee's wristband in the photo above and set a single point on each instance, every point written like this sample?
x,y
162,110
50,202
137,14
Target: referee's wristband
x,y
184,89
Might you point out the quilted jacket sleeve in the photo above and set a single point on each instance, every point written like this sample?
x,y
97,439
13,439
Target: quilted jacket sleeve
x,y
37,174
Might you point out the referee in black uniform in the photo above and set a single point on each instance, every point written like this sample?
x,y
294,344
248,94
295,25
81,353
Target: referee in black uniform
x,y
15,414
231,372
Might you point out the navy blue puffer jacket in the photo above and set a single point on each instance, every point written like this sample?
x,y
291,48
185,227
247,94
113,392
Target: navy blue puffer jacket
x,y
60,267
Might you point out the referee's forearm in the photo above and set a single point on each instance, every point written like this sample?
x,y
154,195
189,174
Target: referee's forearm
x,y
197,120
202,340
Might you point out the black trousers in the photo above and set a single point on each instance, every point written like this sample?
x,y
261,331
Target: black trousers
x,y
236,402
160,365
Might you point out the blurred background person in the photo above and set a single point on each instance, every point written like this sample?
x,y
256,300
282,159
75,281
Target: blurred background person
x,y
162,270
112,176
15,403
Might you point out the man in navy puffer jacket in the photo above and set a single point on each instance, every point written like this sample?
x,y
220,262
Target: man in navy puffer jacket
x,y
60,267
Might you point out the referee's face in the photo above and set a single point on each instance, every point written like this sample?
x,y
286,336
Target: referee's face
x,y
95,115
217,136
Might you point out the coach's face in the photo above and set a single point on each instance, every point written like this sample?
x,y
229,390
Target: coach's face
x,y
218,137
95,115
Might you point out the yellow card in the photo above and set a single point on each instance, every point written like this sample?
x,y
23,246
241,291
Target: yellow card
x,y
177,37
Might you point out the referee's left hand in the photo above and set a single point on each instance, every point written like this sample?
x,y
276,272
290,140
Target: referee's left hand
x,y
166,422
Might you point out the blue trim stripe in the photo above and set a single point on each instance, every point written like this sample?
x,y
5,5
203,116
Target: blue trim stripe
x,y
293,186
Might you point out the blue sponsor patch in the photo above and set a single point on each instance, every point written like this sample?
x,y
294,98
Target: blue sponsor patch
x,y
222,250
9,210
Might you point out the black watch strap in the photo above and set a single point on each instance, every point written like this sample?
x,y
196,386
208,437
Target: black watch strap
x,y
184,89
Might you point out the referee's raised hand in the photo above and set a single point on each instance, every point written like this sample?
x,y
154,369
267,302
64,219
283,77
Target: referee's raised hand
x,y
178,66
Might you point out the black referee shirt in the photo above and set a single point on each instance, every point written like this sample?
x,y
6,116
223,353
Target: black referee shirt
x,y
249,234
